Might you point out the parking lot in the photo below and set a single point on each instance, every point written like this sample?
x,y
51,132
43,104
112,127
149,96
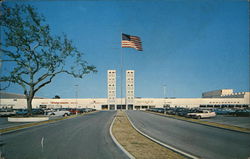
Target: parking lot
x,y
243,122
232,117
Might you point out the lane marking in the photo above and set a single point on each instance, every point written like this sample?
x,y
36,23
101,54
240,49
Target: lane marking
x,y
42,143
161,143
116,142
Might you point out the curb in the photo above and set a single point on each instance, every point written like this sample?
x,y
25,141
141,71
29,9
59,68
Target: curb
x,y
163,144
245,132
39,124
116,142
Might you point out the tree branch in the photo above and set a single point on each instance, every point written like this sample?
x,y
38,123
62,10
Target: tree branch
x,y
45,83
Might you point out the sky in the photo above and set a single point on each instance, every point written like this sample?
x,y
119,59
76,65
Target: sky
x,y
189,46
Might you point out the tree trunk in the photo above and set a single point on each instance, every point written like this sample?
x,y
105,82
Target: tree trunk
x,y
29,97
29,105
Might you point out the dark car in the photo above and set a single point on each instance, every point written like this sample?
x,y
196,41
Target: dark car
x,y
82,110
183,112
223,111
160,110
178,111
21,112
37,111
170,111
241,112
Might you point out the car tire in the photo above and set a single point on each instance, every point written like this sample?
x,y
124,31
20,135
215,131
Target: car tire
x,y
65,115
199,117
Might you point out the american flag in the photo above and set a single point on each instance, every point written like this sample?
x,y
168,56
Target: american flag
x,y
129,41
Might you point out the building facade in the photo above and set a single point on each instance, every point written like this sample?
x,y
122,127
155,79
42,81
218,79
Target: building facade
x,y
224,98
235,100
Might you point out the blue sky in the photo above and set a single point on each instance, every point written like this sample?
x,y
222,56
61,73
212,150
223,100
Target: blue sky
x,y
190,46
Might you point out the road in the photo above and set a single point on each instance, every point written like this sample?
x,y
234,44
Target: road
x,y
82,137
199,140
5,124
243,122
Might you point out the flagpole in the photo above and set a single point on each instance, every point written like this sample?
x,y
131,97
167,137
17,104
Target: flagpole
x,y
121,70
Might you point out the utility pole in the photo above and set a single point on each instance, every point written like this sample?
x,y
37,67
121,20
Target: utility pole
x,y
164,95
76,96
164,91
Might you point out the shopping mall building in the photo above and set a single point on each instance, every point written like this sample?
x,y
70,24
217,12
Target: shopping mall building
x,y
212,99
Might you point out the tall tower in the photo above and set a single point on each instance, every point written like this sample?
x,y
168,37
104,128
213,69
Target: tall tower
x,y
130,88
111,85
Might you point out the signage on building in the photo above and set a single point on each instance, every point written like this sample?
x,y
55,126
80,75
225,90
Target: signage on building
x,y
144,101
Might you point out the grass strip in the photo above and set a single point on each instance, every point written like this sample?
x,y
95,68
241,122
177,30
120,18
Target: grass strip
x,y
208,123
9,129
138,145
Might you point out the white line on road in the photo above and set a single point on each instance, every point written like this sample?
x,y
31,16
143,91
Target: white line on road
x,y
42,143
163,144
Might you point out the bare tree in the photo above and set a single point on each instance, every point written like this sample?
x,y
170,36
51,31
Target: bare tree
x,y
37,56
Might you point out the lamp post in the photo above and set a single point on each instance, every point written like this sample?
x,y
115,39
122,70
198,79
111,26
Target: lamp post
x,y
164,95
164,91
76,97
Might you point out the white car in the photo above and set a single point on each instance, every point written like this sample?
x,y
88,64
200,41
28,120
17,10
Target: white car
x,y
59,113
7,112
202,114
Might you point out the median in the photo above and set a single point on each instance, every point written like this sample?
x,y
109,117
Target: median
x,y
138,145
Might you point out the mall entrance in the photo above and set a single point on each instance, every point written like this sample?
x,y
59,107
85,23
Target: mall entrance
x,y
119,106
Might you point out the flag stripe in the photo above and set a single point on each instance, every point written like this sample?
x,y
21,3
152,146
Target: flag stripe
x,y
131,42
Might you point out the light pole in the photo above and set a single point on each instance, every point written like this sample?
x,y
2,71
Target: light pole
x,y
164,91
164,95
76,96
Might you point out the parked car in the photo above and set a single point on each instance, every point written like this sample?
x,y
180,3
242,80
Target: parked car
x,y
223,111
79,110
202,114
180,111
88,109
37,111
241,112
7,112
21,112
58,112
159,110
184,112
170,111
73,111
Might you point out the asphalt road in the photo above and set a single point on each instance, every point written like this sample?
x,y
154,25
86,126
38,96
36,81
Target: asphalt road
x,y
243,122
5,124
199,140
77,138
